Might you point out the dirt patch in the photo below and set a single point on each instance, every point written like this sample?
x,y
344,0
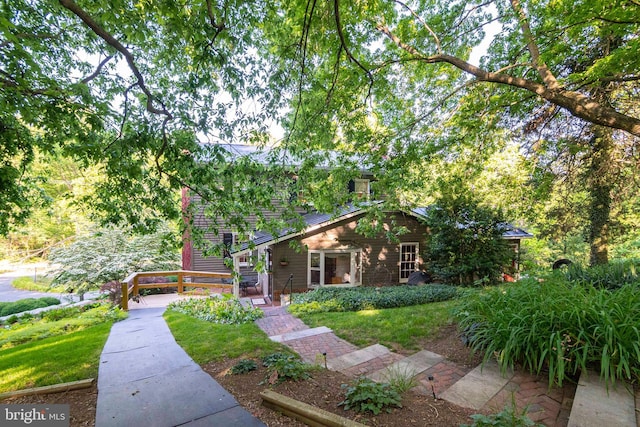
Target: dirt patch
x,y
82,404
323,390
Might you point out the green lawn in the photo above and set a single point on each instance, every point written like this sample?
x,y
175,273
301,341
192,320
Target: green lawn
x,y
42,284
398,328
207,342
53,360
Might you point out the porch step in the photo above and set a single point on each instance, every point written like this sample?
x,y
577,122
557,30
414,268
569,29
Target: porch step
x,y
476,388
357,357
407,367
300,334
595,405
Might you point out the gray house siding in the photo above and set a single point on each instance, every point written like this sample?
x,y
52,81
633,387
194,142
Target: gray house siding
x,y
200,262
380,261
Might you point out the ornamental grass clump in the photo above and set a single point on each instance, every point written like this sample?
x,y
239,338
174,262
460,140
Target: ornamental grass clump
x,y
216,310
556,327
610,276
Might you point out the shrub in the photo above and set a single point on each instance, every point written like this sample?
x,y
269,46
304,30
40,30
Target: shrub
x,y
244,366
465,243
610,276
366,395
285,367
329,299
27,304
556,326
216,310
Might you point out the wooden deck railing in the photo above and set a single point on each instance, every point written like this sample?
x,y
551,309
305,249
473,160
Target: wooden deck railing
x,y
131,286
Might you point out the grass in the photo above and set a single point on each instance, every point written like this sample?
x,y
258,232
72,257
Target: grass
x,y
209,342
56,322
42,284
399,328
53,360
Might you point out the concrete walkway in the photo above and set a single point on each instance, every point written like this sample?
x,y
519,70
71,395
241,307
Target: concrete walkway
x,y
146,379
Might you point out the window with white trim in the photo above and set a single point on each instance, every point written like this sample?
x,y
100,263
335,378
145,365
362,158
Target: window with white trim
x,y
334,267
361,187
408,260
232,241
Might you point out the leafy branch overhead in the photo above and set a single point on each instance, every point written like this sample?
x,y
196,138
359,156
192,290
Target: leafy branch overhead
x,y
140,90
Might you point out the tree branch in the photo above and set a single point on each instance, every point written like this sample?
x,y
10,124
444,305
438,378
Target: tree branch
x,y
424,24
343,42
576,103
96,73
113,42
547,77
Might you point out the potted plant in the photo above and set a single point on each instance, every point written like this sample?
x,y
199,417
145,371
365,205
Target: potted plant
x,y
284,261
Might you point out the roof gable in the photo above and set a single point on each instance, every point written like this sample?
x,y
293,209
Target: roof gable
x,y
315,220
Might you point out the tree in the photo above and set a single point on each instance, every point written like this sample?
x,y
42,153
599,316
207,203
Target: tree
x,y
464,242
110,255
133,87
406,64
126,87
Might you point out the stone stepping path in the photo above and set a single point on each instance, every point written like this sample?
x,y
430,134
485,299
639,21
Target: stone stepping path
x,y
476,388
408,367
304,333
485,388
597,405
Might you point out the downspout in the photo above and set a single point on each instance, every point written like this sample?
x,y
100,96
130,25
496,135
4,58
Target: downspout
x,y
236,276
187,245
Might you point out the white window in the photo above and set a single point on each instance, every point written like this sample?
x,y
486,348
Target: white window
x,y
232,241
334,267
361,188
408,260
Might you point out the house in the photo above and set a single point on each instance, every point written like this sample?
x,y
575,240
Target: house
x,y
330,252
327,250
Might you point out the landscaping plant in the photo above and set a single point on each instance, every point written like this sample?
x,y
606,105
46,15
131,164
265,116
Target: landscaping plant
x,y
610,276
111,255
331,299
244,366
365,395
508,417
27,304
285,367
216,310
556,326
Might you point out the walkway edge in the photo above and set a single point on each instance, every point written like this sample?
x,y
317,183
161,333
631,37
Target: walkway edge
x,y
596,405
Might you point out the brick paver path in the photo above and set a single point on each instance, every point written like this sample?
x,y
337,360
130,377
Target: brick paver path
x,y
277,321
550,407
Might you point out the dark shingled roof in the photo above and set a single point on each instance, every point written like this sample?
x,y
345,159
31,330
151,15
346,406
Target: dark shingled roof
x,y
310,220
316,218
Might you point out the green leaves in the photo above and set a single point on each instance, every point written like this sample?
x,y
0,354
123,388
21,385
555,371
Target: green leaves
x,y
111,254
465,244
365,395
217,310
556,326
329,299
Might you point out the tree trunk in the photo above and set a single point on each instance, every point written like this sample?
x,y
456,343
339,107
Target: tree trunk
x,y
600,191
